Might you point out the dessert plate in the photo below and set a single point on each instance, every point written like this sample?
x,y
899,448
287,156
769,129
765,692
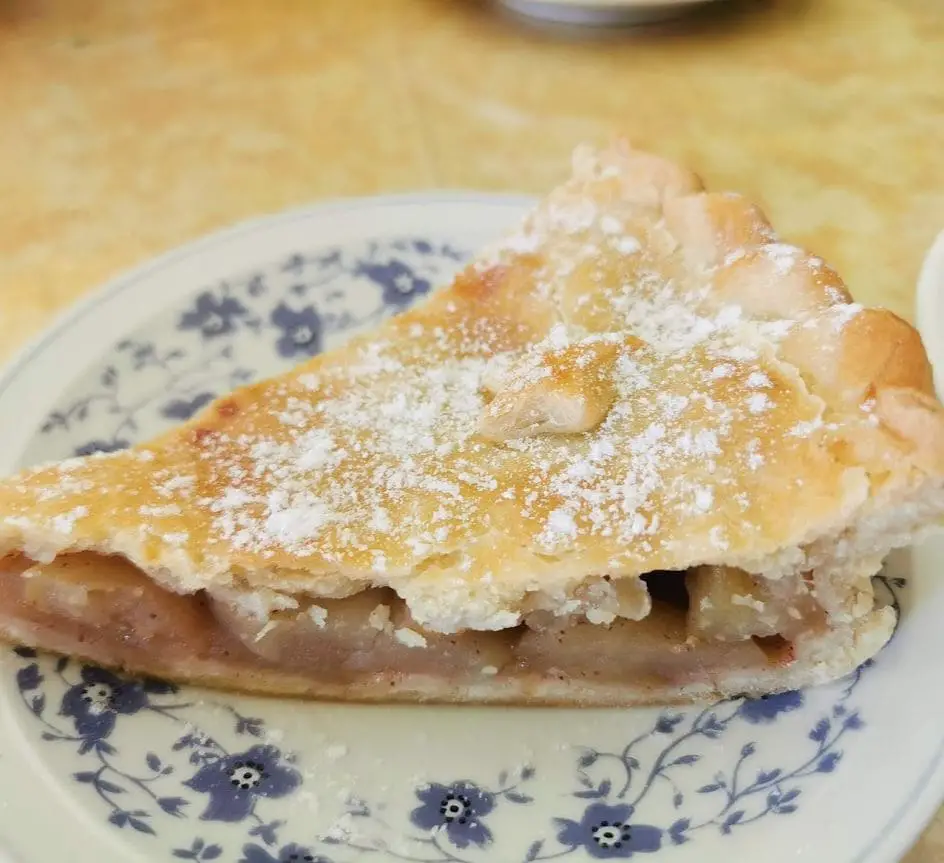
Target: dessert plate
x,y
99,767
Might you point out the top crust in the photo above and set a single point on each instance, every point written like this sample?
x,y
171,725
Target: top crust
x,y
641,377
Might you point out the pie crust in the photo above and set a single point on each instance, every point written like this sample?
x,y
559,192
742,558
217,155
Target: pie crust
x,y
640,450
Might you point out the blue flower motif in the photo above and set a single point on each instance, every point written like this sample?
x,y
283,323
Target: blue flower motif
x,y
99,699
301,330
768,707
605,832
458,809
666,723
853,722
294,264
199,851
827,764
289,854
95,446
183,409
213,316
235,782
256,286
399,283
29,678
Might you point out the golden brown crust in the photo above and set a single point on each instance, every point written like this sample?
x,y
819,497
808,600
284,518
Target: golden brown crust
x,y
756,418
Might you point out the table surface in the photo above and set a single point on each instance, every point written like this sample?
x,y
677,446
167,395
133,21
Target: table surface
x,y
129,128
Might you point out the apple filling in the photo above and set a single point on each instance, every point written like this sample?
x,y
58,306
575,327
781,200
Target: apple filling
x,y
105,610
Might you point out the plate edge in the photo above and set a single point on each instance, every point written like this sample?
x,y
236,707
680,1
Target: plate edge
x,y
123,278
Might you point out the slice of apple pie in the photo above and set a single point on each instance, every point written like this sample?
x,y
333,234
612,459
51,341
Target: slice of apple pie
x,y
639,451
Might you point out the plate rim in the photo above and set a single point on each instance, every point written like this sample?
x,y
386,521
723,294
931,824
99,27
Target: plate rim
x,y
927,797
913,814
122,280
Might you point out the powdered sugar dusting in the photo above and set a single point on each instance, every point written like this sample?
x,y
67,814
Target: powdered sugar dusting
x,y
843,313
65,523
375,463
758,403
559,527
627,245
784,257
369,468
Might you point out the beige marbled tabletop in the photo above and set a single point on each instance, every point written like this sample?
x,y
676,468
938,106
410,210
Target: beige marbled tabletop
x,y
128,128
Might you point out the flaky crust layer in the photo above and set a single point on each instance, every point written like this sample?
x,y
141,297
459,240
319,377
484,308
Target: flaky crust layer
x,y
641,378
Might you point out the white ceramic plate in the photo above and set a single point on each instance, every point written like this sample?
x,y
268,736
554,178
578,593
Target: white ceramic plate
x,y
94,767
600,13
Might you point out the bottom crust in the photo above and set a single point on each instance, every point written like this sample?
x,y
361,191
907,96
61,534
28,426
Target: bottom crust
x,y
136,627
819,660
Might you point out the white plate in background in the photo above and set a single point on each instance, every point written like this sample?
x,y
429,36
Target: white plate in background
x,y
600,13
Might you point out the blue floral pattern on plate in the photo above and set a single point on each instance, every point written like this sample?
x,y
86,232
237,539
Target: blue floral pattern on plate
x,y
661,790
274,317
611,815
